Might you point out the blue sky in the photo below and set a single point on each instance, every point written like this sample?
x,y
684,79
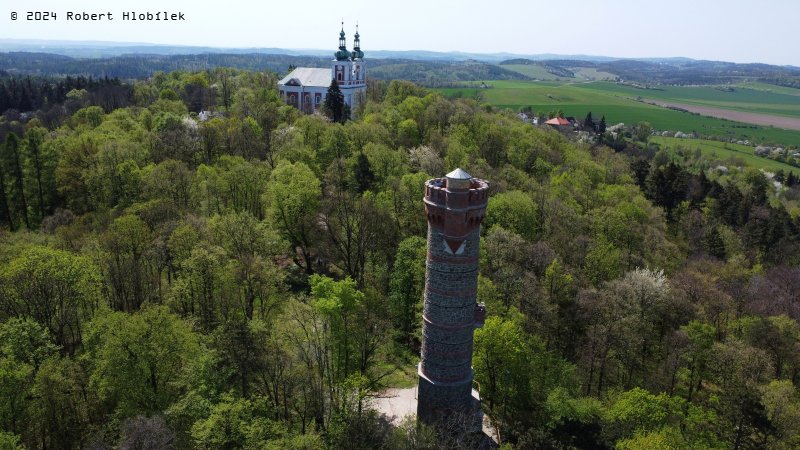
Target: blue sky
x,y
731,30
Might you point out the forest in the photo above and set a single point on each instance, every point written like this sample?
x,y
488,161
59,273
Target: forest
x,y
253,278
134,66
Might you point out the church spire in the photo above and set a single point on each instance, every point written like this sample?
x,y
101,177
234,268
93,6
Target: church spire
x,y
357,53
342,54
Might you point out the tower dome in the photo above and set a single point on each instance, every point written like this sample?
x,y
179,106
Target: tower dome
x,y
342,54
357,53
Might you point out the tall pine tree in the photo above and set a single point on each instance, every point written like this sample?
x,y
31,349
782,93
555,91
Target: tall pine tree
x,y
14,165
34,137
334,103
4,209
362,172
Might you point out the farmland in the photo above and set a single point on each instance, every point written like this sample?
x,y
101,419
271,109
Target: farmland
x,y
540,72
725,153
536,71
618,104
735,98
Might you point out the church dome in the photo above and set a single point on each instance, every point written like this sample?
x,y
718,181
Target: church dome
x,y
342,54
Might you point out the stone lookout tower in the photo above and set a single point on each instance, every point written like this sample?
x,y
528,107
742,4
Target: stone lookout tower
x,y
455,206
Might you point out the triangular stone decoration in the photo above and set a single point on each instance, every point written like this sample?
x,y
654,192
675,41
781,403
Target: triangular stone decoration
x,y
454,244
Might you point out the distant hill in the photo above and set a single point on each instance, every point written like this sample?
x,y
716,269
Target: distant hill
x,y
143,65
435,74
680,71
135,60
430,73
695,72
104,49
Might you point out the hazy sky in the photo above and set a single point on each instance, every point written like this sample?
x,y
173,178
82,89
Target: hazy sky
x,y
730,30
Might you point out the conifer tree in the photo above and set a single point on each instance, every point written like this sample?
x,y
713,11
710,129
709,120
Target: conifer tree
x,y
791,180
334,103
714,244
14,164
4,209
362,172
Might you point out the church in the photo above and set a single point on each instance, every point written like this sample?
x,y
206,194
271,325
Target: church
x,y
305,88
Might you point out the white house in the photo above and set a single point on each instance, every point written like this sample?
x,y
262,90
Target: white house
x,y
305,88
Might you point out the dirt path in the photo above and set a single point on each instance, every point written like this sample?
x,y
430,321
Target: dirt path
x,y
789,123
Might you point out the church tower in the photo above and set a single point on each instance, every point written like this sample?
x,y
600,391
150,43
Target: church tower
x,y
455,207
359,66
349,69
341,66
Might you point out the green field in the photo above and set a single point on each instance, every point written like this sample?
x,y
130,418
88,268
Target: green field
x,y
741,98
539,72
591,73
531,70
771,88
725,152
616,103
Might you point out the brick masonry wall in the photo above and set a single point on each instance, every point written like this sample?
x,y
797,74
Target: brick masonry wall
x,y
437,400
451,284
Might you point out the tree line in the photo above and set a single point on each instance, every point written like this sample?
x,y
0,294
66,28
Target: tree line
x,y
29,94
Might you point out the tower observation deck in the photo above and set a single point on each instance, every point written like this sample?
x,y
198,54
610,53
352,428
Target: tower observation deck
x,y
455,207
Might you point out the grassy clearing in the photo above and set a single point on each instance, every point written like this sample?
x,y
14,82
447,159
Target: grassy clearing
x,y
725,152
532,70
539,72
399,376
771,88
614,101
591,73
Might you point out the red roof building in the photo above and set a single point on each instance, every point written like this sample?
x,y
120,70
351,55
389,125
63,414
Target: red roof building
x,y
558,121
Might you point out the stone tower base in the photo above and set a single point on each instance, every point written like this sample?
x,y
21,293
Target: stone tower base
x,y
466,417
397,404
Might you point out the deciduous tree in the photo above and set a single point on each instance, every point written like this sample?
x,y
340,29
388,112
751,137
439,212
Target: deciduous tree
x,y
294,196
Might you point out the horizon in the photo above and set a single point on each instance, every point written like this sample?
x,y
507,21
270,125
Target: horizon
x,y
618,28
105,45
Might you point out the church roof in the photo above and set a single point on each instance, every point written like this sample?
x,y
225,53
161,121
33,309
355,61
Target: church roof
x,y
307,76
